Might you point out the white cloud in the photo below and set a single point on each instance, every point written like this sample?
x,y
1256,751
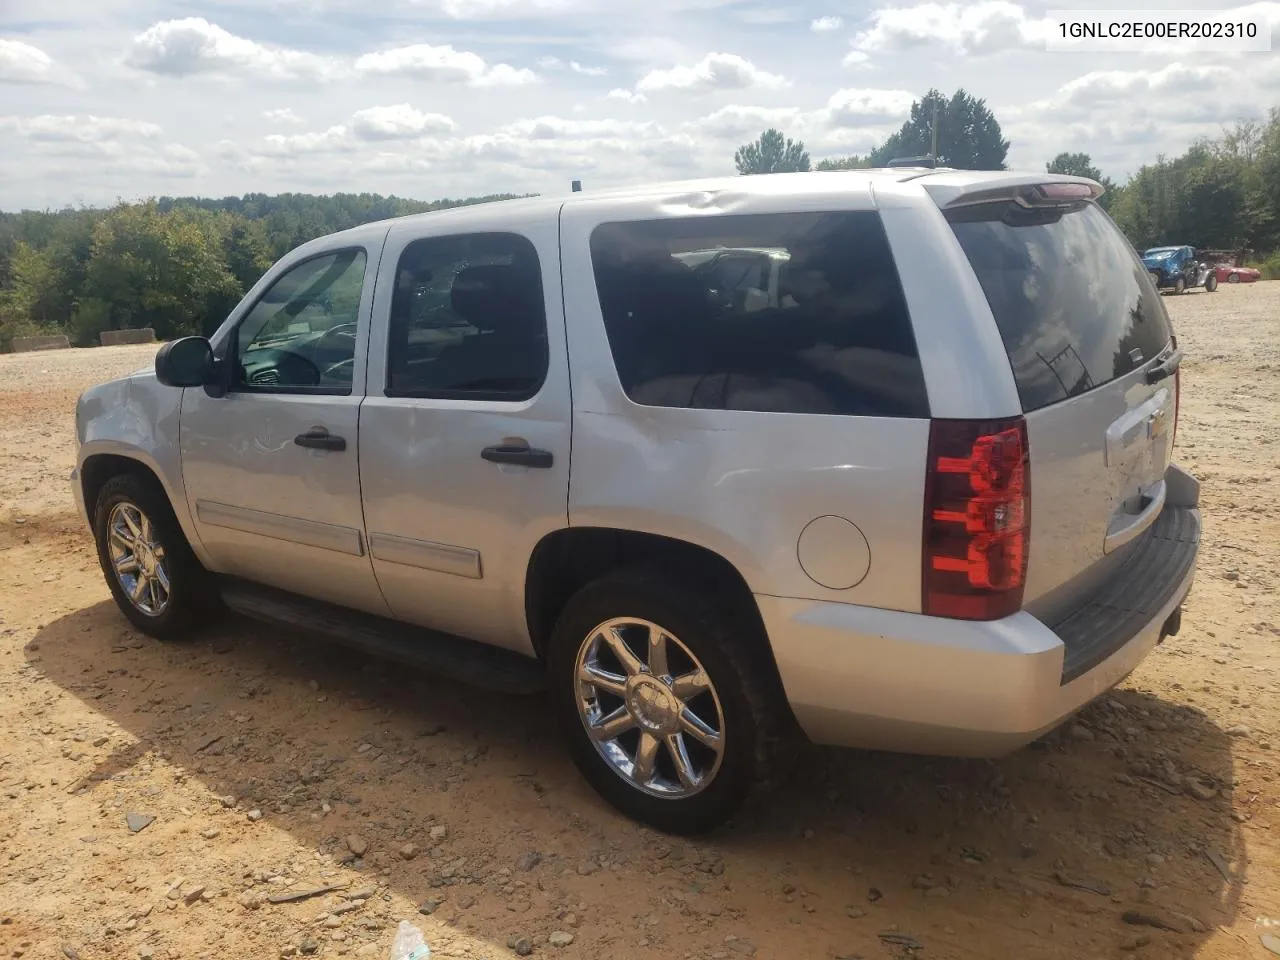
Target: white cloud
x,y
1176,79
480,9
48,128
862,107
557,128
986,27
179,48
110,147
1125,118
399,122
505,75
735,121
336,139
384,124
384,127
22,63
826,24
283,115
630,96
715,71
443,64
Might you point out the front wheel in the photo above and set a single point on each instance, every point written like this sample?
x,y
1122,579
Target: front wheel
x,y
661,699
157,582
1233,278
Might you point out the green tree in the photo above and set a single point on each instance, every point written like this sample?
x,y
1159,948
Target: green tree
x,y
1201,198
246,248
32,290
852,162
161,270
969,136
772,153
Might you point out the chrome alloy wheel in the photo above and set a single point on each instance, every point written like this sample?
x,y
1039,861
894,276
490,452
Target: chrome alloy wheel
x,y
649,708
138,559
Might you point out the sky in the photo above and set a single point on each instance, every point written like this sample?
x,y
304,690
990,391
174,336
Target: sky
x,y
106,100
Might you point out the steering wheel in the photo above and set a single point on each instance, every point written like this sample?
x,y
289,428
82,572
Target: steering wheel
x,y
340,330
335,371
342,370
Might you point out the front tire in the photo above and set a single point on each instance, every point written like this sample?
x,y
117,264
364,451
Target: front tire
x,y
156,580
1233,278
662,703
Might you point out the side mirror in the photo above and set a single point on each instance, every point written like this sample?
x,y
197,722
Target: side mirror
x,y
186,362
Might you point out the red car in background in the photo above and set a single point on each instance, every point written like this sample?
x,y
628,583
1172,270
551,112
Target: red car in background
x,y
1228,274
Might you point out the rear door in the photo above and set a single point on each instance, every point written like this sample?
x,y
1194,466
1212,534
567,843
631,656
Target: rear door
x,y
464,435
1090,346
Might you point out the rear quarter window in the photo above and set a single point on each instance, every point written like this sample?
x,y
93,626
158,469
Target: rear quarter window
x,y
785,313
1074,305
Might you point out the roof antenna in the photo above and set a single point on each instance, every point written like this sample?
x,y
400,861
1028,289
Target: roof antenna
x,y
576,186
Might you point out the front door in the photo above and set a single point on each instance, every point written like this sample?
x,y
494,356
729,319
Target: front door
x,y
464,434
270,468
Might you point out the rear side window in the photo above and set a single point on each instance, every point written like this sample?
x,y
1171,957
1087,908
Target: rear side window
x,y
1074,305
467,319
785,313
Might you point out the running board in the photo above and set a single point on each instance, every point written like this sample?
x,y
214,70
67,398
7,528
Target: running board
x,y
469,662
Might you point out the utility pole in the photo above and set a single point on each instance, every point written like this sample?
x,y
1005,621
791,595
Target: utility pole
x,y
933,149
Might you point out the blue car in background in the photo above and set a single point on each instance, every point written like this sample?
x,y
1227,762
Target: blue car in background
x,y
1176,269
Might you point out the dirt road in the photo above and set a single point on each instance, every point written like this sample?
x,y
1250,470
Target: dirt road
x,y
275,764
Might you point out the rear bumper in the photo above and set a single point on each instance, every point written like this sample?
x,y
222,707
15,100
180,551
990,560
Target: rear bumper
x,y
882,679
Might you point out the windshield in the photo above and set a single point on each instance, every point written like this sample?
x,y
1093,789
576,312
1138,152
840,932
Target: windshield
x,y
1160,253
1074,306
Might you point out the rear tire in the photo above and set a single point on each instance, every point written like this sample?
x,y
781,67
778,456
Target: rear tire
x,y
1211,283
1179,286
1233,278
689,724
155,578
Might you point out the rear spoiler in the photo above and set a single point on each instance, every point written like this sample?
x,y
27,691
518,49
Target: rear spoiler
x,y
1027,191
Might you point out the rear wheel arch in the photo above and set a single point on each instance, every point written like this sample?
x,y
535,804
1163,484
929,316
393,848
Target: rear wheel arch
x,y
566,560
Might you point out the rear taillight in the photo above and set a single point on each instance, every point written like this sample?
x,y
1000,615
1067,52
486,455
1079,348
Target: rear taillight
x,y
977,518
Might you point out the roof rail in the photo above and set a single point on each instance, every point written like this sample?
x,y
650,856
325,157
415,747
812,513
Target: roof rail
x,y
929,160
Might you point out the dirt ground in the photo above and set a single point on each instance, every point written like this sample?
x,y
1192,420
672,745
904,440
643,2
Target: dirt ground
x,y
275,763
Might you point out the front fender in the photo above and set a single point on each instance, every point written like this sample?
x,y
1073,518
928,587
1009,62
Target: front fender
x,y
137,418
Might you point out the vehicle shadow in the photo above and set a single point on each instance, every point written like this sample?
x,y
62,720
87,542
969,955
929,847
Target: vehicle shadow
x,y
1040,854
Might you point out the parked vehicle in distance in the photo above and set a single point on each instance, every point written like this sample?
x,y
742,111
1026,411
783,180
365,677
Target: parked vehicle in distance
x,y
899,475
1229,274
1177,269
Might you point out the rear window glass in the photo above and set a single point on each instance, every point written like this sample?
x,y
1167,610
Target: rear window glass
x,y
1075,307
787,313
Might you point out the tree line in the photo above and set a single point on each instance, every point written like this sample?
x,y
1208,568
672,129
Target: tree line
x,y
180,264
177,264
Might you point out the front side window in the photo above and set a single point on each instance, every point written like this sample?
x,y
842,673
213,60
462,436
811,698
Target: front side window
x,y
301,336
468,320
783,313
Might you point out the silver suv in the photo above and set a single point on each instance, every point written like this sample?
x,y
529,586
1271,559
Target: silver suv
x,y
894,468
